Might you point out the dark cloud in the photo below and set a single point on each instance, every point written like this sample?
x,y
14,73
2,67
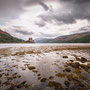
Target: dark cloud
x,y
44,6
24,32
40,23
86,28
21,30
13,8
79,9
10,8
82,29
34,2
47,35
58,18
73,10
76,1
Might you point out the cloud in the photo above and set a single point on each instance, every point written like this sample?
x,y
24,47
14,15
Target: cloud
x,y
10,8
59,18
76,1
80,9
40,23
44,18
85,28
71,11
44,6
24,32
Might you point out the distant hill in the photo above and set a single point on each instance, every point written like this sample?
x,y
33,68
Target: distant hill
x,y
73,38
7,38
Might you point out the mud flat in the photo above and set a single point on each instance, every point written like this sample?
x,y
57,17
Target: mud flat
x,y
45,67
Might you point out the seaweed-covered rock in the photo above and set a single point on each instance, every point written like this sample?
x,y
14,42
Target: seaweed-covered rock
x,y
0,82
68,69
65,56
74,65
61,75
51,77
67,83
11,88
31,67
0,75
54,84
83,60
43,79
85,67
77,64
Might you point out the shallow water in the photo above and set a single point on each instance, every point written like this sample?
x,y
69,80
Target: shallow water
x,y
44,67
40,44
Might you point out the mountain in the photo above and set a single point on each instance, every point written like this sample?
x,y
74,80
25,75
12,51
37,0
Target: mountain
x,y
73,38
7,38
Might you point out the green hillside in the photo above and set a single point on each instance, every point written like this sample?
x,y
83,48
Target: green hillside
x,y
85,39
73,38
6,38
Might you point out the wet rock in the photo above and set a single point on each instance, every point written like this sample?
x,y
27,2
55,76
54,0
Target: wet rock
x,y
82,59
61,75
39,78
26,86
23,82
72,77
19,53
54,84
31,67
23,69
68,69
51,77
35,71
77,64
67,83
72,60
11,88
19,86
85,67
19,76
0,82
0,75
82,77
74,65
7,83
38,74
77,71
43,79
65,56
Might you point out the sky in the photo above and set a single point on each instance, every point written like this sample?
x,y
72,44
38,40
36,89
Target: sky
x,y
44,18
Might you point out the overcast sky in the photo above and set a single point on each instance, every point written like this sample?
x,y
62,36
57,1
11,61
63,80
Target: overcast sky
x,y
44,18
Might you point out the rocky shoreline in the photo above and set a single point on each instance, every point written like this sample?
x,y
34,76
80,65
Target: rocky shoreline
x,y
45,68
